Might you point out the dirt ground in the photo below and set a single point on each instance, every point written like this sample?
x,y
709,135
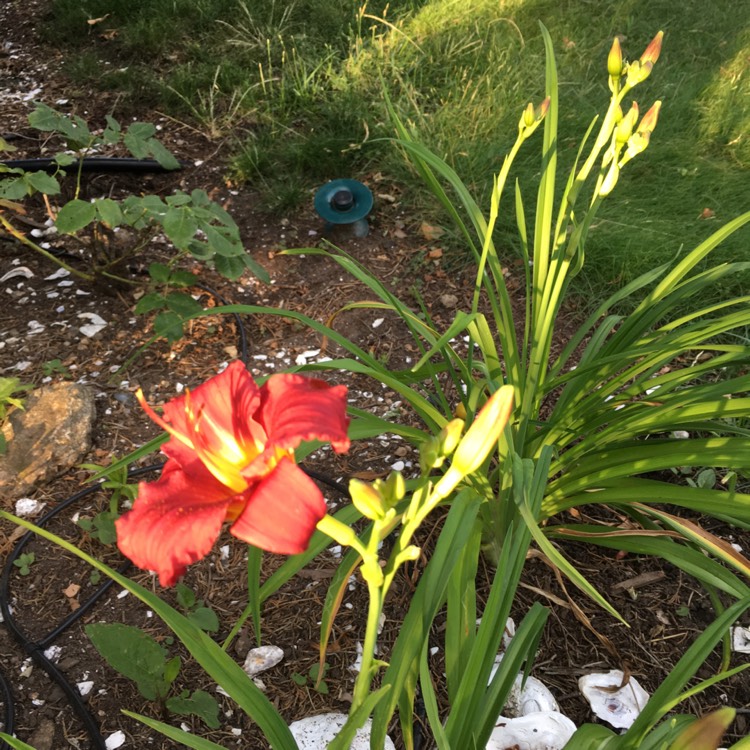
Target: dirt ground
x,y
40,323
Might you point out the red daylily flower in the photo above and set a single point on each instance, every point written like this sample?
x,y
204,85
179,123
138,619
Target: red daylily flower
x,y
231,458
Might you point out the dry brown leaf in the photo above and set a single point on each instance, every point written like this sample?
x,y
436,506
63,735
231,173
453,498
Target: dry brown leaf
x,y
94,21
430,231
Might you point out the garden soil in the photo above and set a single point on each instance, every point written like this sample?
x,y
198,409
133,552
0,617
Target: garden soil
x,y
41,341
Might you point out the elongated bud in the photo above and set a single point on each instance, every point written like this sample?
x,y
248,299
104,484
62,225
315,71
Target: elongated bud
x,y
367,500
610,180
393,489
433,452
528,115
531,117
648,123
460,411
614,59
638,142
624,128
652,52
481,438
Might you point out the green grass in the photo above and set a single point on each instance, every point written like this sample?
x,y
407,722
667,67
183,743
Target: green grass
x,y
297,85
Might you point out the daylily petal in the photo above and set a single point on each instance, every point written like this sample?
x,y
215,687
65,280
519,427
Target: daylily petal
x,y
174,521
226,404
282,511
295,408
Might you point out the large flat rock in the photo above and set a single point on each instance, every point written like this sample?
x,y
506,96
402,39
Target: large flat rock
x,y
52,434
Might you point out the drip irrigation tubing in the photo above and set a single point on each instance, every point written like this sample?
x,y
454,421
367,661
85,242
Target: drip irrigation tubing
x,y
35,648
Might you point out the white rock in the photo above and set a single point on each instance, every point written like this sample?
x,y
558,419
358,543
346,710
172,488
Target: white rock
x,y
61,273
315,732
618,707
262,658
535,731
84,687
28,507
115,740
96,325
741,640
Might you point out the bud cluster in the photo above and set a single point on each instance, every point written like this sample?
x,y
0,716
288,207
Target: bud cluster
x,y
626,135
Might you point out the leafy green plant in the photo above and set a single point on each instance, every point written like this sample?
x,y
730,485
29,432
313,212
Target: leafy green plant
x,y
55,367
315,678
623,383
204,617
10,390
137,656
111,233
102,526
24,562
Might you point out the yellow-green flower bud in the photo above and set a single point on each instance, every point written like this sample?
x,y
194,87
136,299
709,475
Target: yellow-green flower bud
x,y
625,126
484,432
531,117
367,500
614,59
640,139
394,488
450,436
611,179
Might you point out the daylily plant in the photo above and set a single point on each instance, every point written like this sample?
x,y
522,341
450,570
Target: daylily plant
x,y
231,458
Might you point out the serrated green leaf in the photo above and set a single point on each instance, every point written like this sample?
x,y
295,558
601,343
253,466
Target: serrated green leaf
x,y
169,325
183,304
109,212
183,278
111,133
171,670
221,244
45,118
65,160
185,596
163,155
149,302
43,182
159,272
230,267
75,215
133,653
201,704
205,619
179,225
256,269
14,189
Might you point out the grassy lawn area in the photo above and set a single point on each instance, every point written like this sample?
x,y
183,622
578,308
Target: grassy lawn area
x,y
297,87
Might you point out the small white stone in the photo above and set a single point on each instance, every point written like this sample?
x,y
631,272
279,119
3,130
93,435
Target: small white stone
x,y
28,507
53,653
377,322
262,658
741,640
115,740
84,687
398,466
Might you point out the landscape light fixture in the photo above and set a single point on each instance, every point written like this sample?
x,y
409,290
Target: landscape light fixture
x,y
345,202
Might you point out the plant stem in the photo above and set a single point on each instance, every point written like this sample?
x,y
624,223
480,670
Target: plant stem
x,y
23,239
